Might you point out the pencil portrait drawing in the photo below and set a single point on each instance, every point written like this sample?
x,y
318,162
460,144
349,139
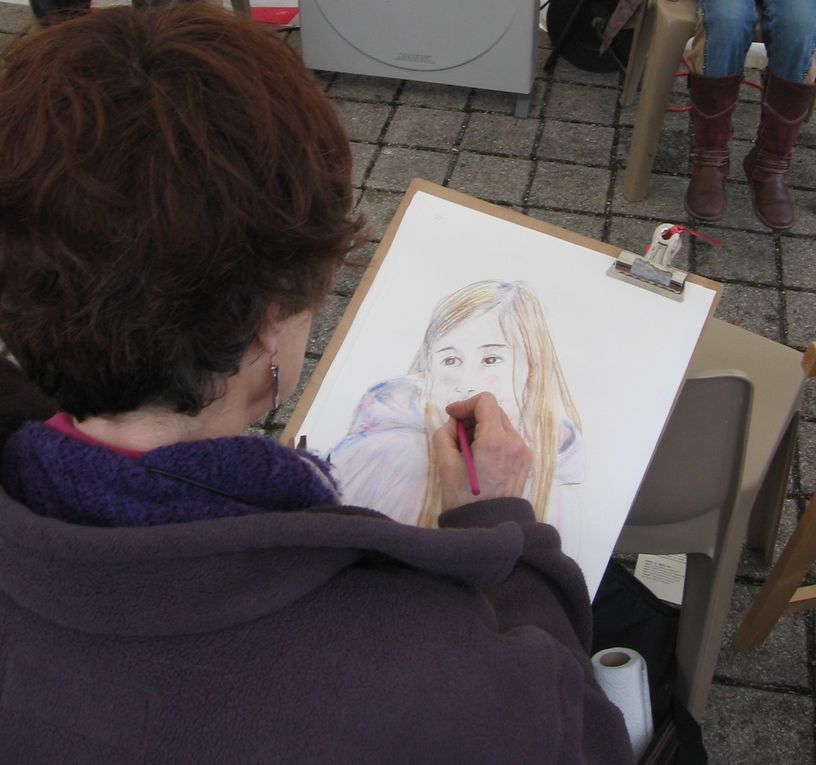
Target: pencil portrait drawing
x,y
461,298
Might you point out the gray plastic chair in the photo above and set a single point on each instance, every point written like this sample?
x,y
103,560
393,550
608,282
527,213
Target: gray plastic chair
x,y
779,382
722,461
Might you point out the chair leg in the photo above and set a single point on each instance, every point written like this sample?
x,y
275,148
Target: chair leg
x,y
767,509
782,583
671,32
702,621
706,601
764,523
637,55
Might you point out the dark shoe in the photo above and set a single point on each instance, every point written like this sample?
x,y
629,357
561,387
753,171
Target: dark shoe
x,y
785,105
713,100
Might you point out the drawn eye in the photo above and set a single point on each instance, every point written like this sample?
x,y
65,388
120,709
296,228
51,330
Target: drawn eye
x,y
489,361
451,361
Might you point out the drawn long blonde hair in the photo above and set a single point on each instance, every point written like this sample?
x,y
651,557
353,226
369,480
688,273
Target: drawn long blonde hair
x,y
545,399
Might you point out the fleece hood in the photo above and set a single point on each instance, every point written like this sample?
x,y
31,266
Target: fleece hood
x,y
207,575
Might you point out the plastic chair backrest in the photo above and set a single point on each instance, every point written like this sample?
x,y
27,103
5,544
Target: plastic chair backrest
x,y
776,373
696,467
686,504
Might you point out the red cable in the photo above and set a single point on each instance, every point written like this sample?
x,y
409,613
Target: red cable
x,y
687,108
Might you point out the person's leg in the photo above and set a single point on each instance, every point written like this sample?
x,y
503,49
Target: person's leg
x,y
789,33
725,29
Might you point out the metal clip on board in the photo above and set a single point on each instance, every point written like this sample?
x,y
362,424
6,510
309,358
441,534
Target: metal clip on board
x,y
653,270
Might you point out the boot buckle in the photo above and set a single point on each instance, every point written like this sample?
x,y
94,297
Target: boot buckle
x,y
710,157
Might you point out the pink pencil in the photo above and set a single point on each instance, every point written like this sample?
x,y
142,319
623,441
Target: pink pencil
x,y
467,455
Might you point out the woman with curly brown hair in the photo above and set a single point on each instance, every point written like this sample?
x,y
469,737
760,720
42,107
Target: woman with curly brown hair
x,y
175,199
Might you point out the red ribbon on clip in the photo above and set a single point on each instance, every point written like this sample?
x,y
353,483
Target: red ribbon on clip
x,y
677,229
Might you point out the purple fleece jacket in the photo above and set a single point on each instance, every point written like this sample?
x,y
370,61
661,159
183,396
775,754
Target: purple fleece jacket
x,y
315,634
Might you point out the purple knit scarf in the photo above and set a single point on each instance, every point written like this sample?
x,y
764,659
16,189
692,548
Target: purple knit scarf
x,y
62,477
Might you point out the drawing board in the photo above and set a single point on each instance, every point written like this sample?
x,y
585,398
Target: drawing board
x,y
465,296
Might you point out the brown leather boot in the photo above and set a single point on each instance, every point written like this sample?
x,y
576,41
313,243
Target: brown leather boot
x,y
785,104
713,100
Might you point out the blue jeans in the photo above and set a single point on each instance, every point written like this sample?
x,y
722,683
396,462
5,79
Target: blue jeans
x,y
788,31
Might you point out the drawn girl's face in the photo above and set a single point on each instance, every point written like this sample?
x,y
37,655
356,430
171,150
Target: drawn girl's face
x,y
475,357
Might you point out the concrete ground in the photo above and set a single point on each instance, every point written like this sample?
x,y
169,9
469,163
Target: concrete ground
x,y
565,165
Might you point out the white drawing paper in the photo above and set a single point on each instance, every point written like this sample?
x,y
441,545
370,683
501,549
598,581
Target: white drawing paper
x,y
586,366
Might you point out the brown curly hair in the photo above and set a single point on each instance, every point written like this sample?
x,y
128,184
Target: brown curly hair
x,y
166,175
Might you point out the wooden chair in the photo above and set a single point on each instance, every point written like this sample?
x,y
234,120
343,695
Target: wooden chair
x,y
718,475
782,593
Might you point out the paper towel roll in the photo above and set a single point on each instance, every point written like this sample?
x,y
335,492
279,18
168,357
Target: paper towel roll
x,y
621,673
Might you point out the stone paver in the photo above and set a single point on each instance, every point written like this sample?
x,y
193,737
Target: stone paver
x,y
500,134
14,19
362,153
584,103
505,103
748,726
424,128
355,86
378,207
798,263
434,96
752,308
744,256
395,167
576,142
781,660
807,458
664,200
800,313
497,179
570,187
363,121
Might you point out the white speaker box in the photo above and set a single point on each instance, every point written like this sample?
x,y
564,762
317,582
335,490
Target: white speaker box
x,y
490,44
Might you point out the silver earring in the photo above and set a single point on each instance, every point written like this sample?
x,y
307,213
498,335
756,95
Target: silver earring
x,y
273,368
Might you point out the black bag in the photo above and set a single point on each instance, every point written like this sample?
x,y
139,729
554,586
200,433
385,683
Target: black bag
x,y
626,613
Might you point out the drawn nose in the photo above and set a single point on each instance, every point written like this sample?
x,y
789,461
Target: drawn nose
x,y
466,389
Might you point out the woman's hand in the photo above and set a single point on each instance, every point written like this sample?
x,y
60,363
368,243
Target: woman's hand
x,y
501,457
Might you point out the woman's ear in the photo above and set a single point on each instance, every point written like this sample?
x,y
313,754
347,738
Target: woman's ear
x,y
267,335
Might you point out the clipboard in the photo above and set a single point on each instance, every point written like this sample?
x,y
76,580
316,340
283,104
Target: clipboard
x,y
621,390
